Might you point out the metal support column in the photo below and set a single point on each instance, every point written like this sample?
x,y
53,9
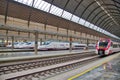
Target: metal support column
x,y
12,42
41,41
7,40
57,32
70,49
67,36
7,37
6,12
45,31
36,43
87,42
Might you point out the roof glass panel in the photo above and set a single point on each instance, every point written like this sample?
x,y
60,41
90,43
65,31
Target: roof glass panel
x,y
29,3
37,3
59,12
41,5
82,21
87,24
95,27
56,11
75,18
98,29
45,7
91,25
66,15
25,1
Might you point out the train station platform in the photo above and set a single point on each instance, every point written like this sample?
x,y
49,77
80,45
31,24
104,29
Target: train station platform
x,y
106,68
31,55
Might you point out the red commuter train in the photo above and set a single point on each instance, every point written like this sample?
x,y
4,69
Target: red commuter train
x,y
106,47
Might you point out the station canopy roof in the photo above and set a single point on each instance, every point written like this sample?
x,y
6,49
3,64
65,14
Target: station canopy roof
x,y
102,13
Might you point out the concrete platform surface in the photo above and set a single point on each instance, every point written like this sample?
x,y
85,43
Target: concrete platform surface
x,y
91,71
108,71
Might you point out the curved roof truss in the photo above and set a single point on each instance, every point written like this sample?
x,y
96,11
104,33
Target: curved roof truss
x,y
97,12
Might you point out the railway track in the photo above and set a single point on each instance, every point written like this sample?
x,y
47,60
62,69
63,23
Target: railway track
x,y
63,63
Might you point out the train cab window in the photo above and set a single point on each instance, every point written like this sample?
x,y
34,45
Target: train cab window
x,y
103,44
28,43
46,43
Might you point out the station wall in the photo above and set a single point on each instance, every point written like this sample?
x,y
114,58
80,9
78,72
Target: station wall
x,y
23,24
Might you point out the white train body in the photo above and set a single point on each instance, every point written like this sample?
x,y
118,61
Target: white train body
x,y
106,47
16,45
10,45
78,46
49,45
25,45
52,45
28,45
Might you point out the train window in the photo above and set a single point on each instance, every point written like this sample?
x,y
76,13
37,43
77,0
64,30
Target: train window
x,y
28,43
117,45
46,43
114,45
103,44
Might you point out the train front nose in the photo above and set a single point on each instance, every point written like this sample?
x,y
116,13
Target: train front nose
x,y
101,52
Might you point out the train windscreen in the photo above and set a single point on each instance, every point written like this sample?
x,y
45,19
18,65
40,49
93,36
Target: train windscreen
x,y
103,44
46,43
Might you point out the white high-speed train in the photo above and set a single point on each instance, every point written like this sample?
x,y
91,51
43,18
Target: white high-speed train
x,y
50,45
54,45
10,44
25,45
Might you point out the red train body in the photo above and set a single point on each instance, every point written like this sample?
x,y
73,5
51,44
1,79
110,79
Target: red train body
x,y
106,47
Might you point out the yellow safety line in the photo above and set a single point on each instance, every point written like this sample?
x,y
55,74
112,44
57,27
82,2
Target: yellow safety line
x,y
73,77
80,74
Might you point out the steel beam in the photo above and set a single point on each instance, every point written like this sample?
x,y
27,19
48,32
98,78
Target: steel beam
x,y
87,8
36,42
6,11
30,13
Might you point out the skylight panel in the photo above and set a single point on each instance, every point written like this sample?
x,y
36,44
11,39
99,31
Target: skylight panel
x,y
95,27
66,15
59,12
52,9
87,24
41,5
37,3
75,18
29,2
45,7
82,21
25,1
91,25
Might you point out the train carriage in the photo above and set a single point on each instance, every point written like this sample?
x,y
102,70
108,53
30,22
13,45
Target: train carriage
x,y
106,47
55,45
